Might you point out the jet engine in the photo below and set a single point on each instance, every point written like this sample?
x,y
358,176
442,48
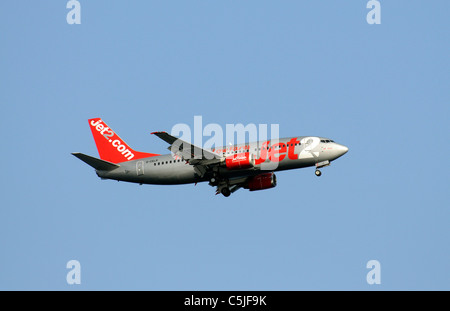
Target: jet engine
x,y
239,161
263,181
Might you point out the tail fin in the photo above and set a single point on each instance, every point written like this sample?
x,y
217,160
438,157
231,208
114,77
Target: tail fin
x,y
110,146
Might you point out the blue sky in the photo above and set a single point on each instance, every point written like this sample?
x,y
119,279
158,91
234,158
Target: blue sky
x,y
313,67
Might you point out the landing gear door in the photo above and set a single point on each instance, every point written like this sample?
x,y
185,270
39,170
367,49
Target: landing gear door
x,y
140,168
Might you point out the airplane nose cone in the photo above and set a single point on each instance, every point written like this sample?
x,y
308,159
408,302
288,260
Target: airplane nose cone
x,y
343,149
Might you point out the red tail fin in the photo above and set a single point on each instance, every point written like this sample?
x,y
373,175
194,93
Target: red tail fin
x,y
110,146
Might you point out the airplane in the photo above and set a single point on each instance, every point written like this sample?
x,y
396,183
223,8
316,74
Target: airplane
x,y
229,168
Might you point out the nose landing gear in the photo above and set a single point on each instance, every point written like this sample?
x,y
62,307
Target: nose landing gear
x,y
320,165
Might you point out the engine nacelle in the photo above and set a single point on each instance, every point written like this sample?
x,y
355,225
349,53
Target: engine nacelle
x,y
239,161
263,181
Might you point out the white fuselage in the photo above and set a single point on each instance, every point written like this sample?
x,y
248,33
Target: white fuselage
x,y
283,154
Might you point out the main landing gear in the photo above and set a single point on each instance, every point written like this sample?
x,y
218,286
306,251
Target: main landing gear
x,y
226,192
318,173
226,188
223,185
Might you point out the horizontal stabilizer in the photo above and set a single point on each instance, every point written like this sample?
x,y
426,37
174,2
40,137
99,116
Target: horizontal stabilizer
x,y
100,165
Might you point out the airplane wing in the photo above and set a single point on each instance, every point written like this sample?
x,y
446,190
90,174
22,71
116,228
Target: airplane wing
x,y
186,150
206,162
202,159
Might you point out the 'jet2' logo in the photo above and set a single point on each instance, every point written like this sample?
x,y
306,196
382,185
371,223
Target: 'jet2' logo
x,y
106,132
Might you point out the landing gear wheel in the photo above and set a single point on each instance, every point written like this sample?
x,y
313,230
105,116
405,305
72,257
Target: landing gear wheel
x,y
226,192
318,173
213,180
